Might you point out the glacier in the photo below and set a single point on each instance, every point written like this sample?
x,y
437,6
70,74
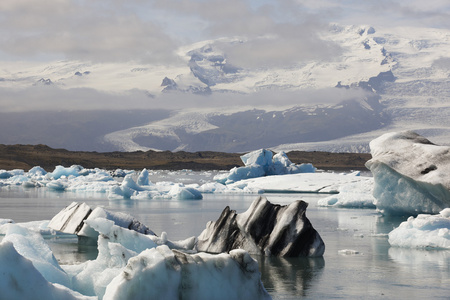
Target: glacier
x,y
413,97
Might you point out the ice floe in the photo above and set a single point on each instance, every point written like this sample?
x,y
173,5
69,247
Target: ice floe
x,y
423,231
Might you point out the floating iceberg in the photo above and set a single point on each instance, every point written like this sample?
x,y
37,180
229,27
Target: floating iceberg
x,y
161,273
352,195
411,174
264,229
424,231
61,171
19,279
129,265
261,163
144,189
327,183
74,219
32,246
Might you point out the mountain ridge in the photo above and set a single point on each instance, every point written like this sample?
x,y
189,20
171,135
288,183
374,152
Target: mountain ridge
x,y
398,79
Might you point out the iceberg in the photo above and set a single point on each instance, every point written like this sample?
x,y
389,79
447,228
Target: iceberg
x,y
129,265
263,163
425,231
156,272
326,183
144,189
352,195
161,273
74,218
32,246
264,229
61,171
411,174
19,279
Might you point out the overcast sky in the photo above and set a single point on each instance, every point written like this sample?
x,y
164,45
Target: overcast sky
x,y
149,31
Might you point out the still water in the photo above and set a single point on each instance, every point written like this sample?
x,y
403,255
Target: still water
x,y
368,268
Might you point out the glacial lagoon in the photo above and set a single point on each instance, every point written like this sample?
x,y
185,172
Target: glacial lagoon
x,y
358,262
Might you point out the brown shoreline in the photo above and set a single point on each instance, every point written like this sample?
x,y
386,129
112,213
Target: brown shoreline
x,y
27,156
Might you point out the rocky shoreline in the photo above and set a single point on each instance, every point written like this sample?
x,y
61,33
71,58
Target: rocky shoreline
x,y
28,156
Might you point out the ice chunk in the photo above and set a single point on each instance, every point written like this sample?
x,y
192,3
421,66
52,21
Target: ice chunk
x,y
5,221
352,195
143,178
92,277
7,174
302,182
62,171
37,171
424,231
32,246
72,220
260,157
411,174
161,273
19,279
262,163
265,229
116,245
184,193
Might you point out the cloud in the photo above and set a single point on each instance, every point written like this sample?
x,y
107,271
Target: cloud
x,y
84,30
385,13
53,98
278,32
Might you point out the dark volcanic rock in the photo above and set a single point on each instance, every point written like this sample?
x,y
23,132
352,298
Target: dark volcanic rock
x,y
264,229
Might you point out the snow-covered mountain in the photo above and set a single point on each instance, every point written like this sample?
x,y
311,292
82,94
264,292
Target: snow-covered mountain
x,y
379,80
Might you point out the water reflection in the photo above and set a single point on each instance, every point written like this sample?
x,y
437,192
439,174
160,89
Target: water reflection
x,y
419,258
290,277
68,251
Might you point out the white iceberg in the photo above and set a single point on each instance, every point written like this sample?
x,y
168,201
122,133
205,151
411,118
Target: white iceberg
x,y
19,279
61,171
352,195
262,163
327,183
161,273
129,265
32,246
425,231
129,189
411,174
74,219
